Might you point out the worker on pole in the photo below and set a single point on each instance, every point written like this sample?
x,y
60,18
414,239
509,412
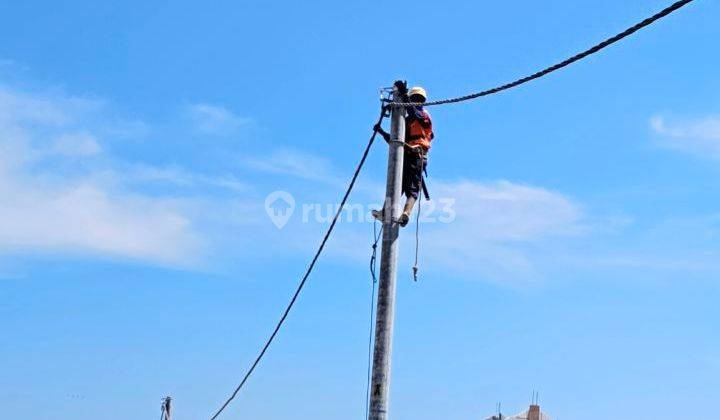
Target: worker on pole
x,y
418,136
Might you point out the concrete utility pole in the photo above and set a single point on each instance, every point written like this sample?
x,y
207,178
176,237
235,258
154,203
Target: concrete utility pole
x,y
380,386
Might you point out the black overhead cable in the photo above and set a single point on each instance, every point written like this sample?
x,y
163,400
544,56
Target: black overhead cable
x,y
647,22
307,272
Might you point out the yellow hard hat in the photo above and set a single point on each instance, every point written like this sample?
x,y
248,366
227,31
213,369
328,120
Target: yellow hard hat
x,y
417,90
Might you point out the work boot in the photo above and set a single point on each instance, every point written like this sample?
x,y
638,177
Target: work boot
x,y
404,219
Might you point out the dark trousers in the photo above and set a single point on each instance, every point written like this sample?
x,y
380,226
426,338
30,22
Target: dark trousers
x,y
414,164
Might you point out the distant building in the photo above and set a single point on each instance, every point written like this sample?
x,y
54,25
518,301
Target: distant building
x,y
532,413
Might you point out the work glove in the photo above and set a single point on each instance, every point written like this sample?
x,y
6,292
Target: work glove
x,y
402,89
401,86
382,132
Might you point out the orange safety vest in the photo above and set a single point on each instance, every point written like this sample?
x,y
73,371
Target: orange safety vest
x,y
417,135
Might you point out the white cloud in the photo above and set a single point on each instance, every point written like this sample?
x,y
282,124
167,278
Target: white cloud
x,y
294,163
498,228
51,201
214,119
506,211
45,207
87,218
76,144
182,178
502,231
49,109
674,248
696,136
107,210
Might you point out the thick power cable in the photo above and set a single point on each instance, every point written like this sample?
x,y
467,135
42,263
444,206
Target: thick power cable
x,y
373,259
307,272
647,22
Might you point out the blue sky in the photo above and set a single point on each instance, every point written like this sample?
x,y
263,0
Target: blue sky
x,y
140,141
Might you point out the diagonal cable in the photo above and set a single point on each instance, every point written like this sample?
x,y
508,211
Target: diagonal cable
x,y
307,273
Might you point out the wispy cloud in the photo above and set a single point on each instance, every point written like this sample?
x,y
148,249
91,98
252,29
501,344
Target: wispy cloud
x,y
48,204
61,190
48,109
180,177
699,136
81,217
76,144
294,163
497,226
501,231
686,246
214,119
507,211
498,231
